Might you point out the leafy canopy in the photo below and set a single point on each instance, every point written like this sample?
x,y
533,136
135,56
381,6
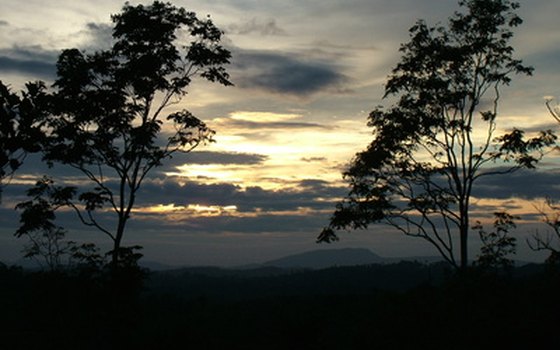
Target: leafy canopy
x,y
20,131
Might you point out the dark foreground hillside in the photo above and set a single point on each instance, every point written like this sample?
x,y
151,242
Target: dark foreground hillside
x,y
378,307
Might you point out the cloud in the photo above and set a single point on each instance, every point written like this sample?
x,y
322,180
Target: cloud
x,y
100,35
36,68
326,44
314,184
525,184
33,60
37,61
306,223
263,116
163,203
266,28
285,73
250,121
243,124
304,194
223,158
313,159
309,193
246,125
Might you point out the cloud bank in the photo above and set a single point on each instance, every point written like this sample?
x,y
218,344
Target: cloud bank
x,y
285,73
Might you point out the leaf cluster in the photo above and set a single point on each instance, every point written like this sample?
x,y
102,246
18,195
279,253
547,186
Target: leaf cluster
x,y
497,245
20,129
46,239
104,109
526,153
549,242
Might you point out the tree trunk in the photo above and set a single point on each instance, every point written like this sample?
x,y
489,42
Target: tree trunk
x,y
117,242
463,234
464,250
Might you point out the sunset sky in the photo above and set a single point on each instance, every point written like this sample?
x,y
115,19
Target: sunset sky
x,y
306,75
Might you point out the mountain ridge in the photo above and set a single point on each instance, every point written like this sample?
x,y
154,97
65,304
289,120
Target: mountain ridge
x,y
325,258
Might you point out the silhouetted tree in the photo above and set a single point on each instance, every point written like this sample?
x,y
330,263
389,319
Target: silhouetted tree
x,y
497,245
437,140
106,115
551,241
554,110
47,244
550,214
19,128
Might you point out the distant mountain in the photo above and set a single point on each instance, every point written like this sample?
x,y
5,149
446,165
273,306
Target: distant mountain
x,y
320,259
155,266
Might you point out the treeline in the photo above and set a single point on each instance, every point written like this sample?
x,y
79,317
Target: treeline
x,y
378,306
228,284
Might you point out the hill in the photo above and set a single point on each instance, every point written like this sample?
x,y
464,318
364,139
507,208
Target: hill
x,y
320,259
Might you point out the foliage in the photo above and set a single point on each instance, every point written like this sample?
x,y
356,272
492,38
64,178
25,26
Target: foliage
x,y
433,144
47,244
498,244
106,115
550,214
551,241
19,131
554,110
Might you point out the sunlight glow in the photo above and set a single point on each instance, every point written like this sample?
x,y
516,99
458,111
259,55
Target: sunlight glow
x,y
263,117
483,209
195,210
177,214
294,152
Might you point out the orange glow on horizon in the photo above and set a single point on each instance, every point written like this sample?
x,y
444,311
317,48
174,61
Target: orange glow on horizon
x,y
191,209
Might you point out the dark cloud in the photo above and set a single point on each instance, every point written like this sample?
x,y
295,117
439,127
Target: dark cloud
x,y
246,124
32,60
313,159
206,158
308,193
545,60
101,35
266,28
259,210
264,223
314,184
224,158
4,23
526,184
246,199
280,210
325,44
35,68
35,167
285,73
552,125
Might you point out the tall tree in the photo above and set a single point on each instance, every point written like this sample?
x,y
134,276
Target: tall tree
x,y
107,112
437,140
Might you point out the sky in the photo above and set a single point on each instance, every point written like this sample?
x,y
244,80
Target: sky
x,y
306,75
